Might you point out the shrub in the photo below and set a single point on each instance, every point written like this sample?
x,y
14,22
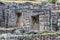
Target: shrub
x,y
54,24
31,33
52,1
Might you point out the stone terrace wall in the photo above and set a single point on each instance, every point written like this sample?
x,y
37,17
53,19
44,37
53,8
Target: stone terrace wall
x,y
8,13
27,9
41,37
35,37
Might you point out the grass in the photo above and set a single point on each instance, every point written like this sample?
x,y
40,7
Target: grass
x,y
50,33
45,33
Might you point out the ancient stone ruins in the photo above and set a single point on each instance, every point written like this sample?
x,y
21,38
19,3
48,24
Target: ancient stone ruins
x,y
29,16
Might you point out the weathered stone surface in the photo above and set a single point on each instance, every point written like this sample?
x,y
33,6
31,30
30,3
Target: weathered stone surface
x,y
27,10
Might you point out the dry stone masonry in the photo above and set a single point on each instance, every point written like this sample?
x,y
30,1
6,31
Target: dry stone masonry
x,y
35,17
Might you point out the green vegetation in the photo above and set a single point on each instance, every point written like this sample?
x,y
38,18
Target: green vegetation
x,y
52,1
45,33
31,0
49,33
31,33
54,24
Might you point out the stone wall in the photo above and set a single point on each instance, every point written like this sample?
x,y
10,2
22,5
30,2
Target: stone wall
x,y
2,15
27,9
41,37
34,37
